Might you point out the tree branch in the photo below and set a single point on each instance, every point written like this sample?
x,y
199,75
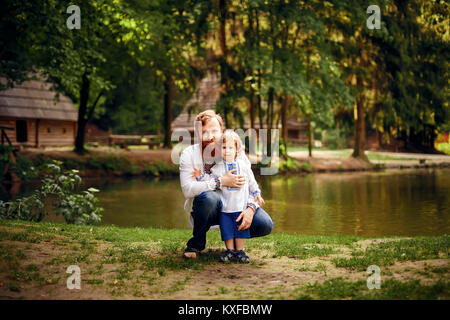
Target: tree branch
x,y
91,109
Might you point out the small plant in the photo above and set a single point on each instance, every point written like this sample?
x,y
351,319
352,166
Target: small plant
x,y
306,166
76,208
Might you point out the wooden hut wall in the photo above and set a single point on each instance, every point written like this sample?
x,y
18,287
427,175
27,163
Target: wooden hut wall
x,y
49,132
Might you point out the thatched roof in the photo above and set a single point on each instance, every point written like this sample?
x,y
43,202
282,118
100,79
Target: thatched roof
x,y
35,100
205,97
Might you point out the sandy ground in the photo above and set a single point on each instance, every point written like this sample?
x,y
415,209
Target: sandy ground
x,y
325,160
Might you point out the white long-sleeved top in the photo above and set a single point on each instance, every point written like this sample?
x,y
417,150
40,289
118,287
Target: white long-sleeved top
x,y
191,158
237,199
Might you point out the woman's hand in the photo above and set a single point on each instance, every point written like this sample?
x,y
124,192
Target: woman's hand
x,y
247,218
231,180
259,199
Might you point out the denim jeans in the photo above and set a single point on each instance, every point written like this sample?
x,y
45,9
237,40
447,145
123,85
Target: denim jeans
x,y
206,211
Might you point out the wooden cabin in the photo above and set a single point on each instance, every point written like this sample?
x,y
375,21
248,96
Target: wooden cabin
x,y
206,97
37,119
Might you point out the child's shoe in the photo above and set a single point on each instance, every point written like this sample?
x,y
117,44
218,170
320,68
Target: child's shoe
x,y
241,257
227,256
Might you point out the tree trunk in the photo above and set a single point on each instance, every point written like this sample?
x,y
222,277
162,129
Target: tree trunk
x,y
251,110
84,97
338,133
309,136
284,131
222,20
259,104
168,97
223,47
284,128
360,130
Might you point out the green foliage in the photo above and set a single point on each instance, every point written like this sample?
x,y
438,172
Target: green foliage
x,y
58,185
443,147
127,52
307,166
331,140
25,169
290,164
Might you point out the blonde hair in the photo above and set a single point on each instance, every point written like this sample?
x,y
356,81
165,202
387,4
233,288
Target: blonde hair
x,y
230,135
204,117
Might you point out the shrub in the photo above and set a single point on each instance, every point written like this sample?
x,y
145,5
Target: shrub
x,y
76,208
25,169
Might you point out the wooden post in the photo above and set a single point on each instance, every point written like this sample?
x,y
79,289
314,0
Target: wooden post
x,y
37,132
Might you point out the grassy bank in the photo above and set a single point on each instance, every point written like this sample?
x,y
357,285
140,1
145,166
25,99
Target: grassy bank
x,y
138,263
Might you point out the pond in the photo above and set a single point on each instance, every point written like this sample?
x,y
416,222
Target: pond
x,y
393,202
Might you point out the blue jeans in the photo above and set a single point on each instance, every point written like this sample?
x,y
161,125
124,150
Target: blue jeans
x,y
206,212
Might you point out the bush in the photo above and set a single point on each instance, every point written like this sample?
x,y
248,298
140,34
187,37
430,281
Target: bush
x,y
4,158
76,208
443,147
25,169
288,165
307,166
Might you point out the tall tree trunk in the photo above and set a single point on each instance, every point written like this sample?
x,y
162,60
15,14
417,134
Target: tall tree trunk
x,y
284,129
168,97
309,136
259,103
251,110
360,130
84,97
223,47
222,20
338,133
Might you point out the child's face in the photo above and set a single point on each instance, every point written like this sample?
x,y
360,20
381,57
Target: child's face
x,y
229,151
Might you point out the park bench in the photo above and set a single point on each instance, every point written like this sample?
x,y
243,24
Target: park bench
x,y
133,140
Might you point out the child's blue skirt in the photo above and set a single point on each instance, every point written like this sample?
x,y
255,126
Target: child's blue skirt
x,y
229,226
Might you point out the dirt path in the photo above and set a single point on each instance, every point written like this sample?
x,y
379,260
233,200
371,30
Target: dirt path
x,y
37,270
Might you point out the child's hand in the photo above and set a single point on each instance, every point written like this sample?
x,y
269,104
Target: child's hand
x,y
196,173
259,199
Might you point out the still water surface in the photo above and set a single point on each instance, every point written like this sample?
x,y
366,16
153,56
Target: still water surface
x,y
394,202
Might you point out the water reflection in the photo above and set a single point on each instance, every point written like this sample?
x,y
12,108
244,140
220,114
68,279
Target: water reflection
x,y
371,204
400,202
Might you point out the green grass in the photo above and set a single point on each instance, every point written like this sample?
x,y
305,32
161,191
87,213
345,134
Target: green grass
x,y
385,254
377,156
391,289
125,260
345,153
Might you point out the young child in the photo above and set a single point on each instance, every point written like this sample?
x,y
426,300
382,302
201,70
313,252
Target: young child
x,y
235,200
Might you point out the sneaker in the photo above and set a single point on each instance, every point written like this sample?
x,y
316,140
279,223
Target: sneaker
x,y
227,256
241,257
